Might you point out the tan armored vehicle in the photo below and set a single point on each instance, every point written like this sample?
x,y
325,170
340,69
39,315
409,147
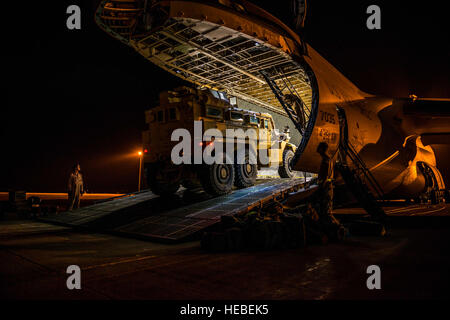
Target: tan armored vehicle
x,y
179,109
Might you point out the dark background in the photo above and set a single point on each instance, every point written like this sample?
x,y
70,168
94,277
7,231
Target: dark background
x,y
80,95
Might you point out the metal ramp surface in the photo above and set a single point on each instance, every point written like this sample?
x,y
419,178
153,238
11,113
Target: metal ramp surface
x,y
179,224
86,215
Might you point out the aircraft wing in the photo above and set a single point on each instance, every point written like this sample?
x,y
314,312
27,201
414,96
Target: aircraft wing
x,y
429,118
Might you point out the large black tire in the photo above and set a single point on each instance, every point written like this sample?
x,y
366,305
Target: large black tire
x,y
245,174
217,179
285,170
159,186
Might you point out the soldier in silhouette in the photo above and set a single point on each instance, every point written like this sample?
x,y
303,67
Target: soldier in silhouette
x,y
324,195
75,188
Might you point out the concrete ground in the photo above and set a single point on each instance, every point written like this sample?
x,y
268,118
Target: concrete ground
x,y
413,257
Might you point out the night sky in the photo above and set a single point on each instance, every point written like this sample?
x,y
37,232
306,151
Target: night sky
x,y
80,95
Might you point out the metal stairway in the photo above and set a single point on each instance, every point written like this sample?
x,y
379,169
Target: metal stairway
x,y
288,106
358,178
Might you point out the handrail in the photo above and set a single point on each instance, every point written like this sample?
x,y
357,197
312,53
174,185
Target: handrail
x,y
360,163
288,109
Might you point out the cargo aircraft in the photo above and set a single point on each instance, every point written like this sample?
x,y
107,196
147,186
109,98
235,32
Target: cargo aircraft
x,y
388,145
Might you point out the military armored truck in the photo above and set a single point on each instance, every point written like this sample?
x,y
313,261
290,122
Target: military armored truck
x,y
179,108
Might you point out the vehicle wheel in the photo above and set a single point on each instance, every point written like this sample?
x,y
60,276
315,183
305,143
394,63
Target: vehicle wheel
x,y
245,174
159,186
285,170
432,188
217,179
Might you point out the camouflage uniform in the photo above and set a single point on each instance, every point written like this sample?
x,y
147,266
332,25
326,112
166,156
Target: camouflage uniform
x,y
75,189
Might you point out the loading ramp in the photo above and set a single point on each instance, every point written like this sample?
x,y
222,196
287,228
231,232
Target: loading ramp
x,y
87,215
177,224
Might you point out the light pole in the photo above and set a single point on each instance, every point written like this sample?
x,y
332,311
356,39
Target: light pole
x,y
140,170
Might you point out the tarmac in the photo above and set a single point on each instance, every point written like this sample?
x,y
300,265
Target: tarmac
x,y
413,258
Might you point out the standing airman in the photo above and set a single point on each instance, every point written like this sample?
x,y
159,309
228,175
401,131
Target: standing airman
x,y
75,188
